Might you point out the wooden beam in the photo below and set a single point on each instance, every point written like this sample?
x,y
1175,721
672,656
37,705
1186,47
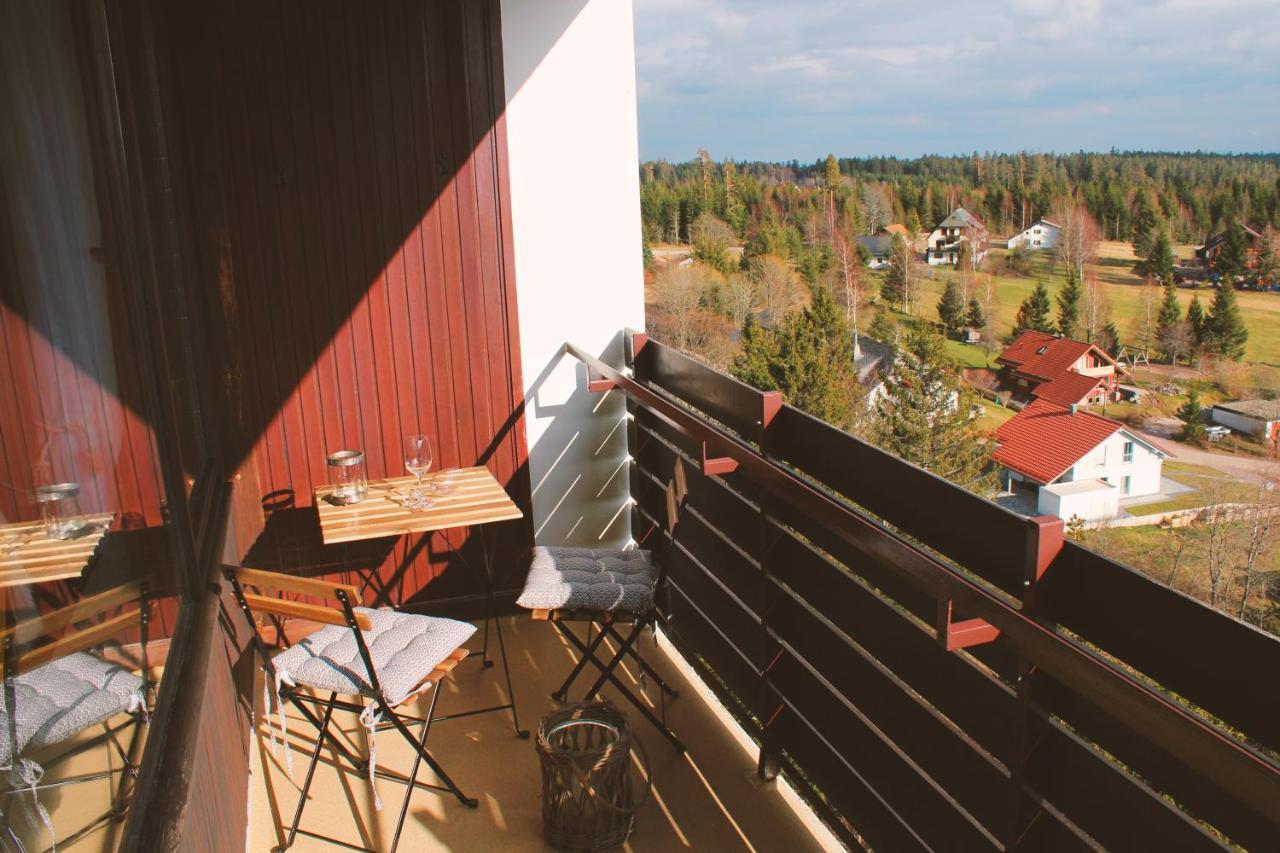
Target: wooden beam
x,y
302,610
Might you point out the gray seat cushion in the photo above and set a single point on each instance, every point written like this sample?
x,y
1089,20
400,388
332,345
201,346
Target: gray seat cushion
x,y
404,648
612,581
63,698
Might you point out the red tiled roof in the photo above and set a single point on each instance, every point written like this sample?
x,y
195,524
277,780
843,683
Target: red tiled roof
x,y
1045,439
1068,389
1059,355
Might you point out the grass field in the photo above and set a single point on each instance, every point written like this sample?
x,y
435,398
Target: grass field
x,y
1210,484
1114,268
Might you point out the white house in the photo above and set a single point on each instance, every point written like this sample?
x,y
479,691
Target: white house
x,y
961,226
1259,418
1042,235
1081,464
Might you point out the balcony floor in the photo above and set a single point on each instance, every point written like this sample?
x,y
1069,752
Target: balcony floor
x,y
708,799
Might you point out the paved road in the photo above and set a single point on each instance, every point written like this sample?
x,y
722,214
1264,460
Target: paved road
x,y
1251,469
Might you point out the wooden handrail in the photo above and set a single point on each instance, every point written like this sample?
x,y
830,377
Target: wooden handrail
x,y
1247,775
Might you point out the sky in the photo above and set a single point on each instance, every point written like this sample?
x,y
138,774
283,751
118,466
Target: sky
x,y
756,80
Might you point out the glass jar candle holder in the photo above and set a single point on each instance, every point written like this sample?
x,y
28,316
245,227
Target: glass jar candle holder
x,y
60,509
348,476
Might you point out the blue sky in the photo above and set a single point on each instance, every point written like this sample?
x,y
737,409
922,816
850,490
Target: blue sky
x,y
778,80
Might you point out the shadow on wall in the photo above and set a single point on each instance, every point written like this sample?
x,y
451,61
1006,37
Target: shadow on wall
x,y
578,467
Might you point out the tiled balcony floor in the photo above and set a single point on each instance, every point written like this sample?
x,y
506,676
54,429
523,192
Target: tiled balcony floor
x,y
708,799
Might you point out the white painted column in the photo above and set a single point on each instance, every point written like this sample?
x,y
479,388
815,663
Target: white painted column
x,y
569,68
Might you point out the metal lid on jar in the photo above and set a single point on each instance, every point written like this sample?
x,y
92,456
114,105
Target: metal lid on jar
x,y
56,492
343,458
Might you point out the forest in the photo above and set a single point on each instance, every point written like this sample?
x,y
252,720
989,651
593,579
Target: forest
x,y
1190,195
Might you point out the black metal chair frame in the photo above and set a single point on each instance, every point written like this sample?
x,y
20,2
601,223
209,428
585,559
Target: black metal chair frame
x,y
602,626
392,720
129,756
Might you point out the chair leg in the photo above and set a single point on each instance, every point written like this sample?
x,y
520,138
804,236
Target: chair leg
x,y
413,774
358,764
426,756
587,652
649,670
607,674
617,658
311,772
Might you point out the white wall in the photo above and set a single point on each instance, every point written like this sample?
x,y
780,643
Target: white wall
x,y
1144,469
569,68
1239,423
1089,506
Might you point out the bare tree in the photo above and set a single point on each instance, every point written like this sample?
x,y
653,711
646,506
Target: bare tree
x,y
1176,548
1095,309
1219,550
849,269
875,207
677,294
1078,238
739,298
901,281
1175,340
1259,525
1144,323
778,286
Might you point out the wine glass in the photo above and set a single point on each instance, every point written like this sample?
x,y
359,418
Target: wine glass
x,y
417,461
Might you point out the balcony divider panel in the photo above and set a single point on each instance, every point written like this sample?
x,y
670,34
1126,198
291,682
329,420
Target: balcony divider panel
x,y
815,625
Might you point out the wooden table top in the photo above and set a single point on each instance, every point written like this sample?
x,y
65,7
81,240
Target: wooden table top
x,y
476,498
28,555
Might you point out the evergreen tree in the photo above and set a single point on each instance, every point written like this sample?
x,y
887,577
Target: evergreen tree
x,y
831,176
1033,313
1233,258
913,223
1069,306
1159,259
899,284
808,357
923,417
1169,321
884,328
1192,414
1227,332
951,306
1109,339
1196,323
975,318
1142,243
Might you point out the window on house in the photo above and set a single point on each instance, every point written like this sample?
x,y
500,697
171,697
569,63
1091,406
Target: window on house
x,y
1102,457
1128,451
1126,485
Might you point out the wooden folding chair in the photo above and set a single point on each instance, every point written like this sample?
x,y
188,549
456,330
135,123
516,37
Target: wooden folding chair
x,y
414,653
605,589
56,690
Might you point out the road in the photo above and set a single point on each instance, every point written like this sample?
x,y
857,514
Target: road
x,y
1250,469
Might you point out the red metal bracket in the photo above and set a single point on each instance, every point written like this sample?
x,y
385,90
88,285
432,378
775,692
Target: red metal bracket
x,y
597,385
638,340
717,464
770,405
963,634
1048,541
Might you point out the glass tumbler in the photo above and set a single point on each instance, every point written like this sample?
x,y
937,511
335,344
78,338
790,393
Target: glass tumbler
x,y
348,476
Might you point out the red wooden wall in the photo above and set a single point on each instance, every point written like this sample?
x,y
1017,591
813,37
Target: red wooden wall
x,y
345,166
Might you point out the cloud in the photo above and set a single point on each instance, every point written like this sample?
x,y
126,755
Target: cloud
x,y
760,79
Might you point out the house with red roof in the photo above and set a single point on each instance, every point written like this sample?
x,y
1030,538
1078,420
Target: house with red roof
x,y
1058,370
1079,463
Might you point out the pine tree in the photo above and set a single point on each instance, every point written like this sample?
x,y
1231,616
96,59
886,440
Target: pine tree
x,y
1069,306
1192,414
1159,259
951,306
1169,329
809,358
923,417
975,318
831,175
1233,258
1197,323
1227,332
884,328
1142,243
913,223
1109,340
899,283
1033,313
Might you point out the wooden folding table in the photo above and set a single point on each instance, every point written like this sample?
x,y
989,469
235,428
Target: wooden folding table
x,y
476,499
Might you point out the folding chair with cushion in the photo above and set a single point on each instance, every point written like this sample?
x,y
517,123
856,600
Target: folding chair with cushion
x,y
55,691
605,588
384,658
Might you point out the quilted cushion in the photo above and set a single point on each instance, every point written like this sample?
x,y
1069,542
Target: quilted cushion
x,y
404,647
581,577
63,698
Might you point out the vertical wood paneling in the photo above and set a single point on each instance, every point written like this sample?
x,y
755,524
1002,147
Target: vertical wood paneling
x,y
348,173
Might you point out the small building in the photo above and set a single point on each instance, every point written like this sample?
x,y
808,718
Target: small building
x,y
879,248
1258,418
961,226
1208,253
1079,463
1042,235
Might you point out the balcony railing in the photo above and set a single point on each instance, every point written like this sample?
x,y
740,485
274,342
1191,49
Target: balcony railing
x,y
928,669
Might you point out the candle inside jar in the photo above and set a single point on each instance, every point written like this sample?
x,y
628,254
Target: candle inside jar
x,y
348,477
